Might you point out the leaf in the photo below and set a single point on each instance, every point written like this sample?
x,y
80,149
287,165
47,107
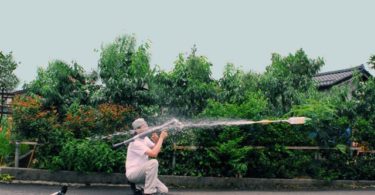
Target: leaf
x,y
342,148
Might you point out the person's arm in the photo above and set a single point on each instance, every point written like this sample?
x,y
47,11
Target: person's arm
x,y
156,149
155,138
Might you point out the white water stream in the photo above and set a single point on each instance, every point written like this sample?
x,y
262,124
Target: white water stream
x,y
176,124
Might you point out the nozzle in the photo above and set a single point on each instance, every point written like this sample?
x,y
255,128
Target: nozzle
x,y
298,120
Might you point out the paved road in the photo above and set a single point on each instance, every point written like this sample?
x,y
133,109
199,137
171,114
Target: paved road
x,y
36,189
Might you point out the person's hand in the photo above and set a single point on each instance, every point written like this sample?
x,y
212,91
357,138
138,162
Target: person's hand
x,y
164,134
154,137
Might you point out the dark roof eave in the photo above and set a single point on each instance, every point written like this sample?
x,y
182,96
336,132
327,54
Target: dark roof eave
x,y
365,75
360,67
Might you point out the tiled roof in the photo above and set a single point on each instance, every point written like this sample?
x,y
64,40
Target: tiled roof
x,y
328,79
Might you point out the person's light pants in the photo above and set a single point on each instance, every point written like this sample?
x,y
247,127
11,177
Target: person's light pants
x,y
148,175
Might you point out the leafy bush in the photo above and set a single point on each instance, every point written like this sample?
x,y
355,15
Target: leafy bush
x,y
88,156
278,162
113,117
53,145
86,121
6,177
252,107
31,121
5,148
81,120
61,84
364,109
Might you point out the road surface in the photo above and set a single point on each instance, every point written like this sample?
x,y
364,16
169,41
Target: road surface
x,y
37,189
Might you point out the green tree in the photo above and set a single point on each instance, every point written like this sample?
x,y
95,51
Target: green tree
x,y
61,85
125,72
253,107
228,151
287,77
323,114
188,87
235,83
372,62
8,80
363,112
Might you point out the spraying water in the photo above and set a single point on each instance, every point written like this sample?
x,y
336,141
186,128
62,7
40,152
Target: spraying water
x,y
176,124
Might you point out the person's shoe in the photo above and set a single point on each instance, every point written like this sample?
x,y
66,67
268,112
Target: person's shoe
x,y
138,192
132,186
62,191
136,189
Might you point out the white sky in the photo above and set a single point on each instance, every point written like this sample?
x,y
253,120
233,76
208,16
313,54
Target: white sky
x,y
242,32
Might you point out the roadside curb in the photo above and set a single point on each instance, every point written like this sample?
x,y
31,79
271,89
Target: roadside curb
x,y
37,176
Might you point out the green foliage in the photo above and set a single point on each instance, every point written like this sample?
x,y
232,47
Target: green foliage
x,y
125,72
364,167
61,85
364,132
85,121
5,148
323,115
80,120
252,107
230,152
342,148
235,84
8,80
33,123
188,86
278,162
316,110
372,61
87,156
113,117
6,177
363,113
30,120
365,96
286,77
66,105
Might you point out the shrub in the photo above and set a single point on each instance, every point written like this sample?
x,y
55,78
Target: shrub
x,y
113,117
31,121
86,121
81,120
88,156
5,148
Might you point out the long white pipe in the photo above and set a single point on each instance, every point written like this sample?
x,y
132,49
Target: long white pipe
x,y
166,125
174,123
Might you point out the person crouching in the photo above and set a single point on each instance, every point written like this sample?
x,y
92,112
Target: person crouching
x,y
139,168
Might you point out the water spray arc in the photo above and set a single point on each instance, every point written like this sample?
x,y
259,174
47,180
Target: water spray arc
x,y
176,124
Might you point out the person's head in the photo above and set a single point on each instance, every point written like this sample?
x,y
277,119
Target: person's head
x,y
140,125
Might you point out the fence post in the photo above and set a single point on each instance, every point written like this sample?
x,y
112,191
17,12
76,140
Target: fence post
x,y
174,160
17,154
174,156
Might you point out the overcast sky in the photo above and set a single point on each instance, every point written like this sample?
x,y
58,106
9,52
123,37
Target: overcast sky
x,y
245,33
